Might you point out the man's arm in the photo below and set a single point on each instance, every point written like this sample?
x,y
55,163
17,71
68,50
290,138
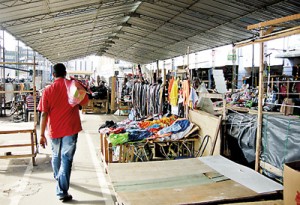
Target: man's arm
x,y
43,140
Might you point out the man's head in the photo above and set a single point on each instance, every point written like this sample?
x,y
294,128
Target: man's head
x,y
59,70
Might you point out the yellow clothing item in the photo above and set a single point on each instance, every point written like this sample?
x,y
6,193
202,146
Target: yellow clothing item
x,y
174,93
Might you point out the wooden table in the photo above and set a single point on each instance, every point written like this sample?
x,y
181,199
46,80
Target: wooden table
x,y
15,128
95,106
186,181
105,150
129,152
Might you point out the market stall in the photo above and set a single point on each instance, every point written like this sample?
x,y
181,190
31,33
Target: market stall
x,y
132,141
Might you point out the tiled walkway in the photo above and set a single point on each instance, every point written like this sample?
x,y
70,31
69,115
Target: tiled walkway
x,y
23,184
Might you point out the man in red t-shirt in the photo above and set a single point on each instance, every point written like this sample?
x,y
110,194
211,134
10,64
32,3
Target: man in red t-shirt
x,y
63,123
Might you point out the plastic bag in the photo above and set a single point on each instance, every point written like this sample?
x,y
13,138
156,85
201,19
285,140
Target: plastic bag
x,y
76,92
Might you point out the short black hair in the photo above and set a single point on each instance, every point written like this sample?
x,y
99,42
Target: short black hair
x,y
59,70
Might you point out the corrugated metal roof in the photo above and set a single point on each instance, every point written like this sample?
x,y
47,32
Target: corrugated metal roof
x,y
137,31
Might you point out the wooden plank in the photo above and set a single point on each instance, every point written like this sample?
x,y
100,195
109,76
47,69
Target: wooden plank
x,y
211,95
272,36
238,109
213,193
18,156
9,128
241,174
215,138
259,114
279,35
133,174
254,112
16,131
123,172
14,145
207,123
274,21
268,202
271,168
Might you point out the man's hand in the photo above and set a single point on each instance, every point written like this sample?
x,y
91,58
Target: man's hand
x,y
43,141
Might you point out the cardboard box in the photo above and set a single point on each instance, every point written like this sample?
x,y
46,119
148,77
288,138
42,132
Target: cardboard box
x,y
291,183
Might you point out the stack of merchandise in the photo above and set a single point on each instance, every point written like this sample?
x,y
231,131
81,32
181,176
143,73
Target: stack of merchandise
x,y
163,129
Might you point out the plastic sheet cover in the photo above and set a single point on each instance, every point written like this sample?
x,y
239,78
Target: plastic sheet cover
x,y
280,139
242,126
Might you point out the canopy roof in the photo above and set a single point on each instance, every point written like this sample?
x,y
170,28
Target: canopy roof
x,y
136,31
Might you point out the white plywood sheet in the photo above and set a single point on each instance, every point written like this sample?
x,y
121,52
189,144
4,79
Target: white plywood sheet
x,y
219,80
241,174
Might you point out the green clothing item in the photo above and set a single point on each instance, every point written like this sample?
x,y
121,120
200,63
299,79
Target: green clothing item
x,y
116,139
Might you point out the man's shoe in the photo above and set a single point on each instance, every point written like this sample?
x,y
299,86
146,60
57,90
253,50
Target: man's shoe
x,y
66,198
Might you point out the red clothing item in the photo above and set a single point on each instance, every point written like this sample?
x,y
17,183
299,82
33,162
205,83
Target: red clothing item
x,y
186,92
63,119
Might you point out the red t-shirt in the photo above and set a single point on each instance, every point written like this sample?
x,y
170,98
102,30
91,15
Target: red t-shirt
x,y
63,119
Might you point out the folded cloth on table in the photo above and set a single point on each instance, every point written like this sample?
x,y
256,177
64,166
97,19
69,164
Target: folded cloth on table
x,y
180,135
139,135
116,139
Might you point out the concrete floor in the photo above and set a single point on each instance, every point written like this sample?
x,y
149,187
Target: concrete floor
x,y
24,184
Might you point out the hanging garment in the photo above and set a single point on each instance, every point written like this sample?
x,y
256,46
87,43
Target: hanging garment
x,y
157,98
161,99
152,99
174,93
193,98
170,87
283,90
143,100
185,92
148,100
180,109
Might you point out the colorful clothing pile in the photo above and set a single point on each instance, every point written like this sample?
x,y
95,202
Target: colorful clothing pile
x,y
165,128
